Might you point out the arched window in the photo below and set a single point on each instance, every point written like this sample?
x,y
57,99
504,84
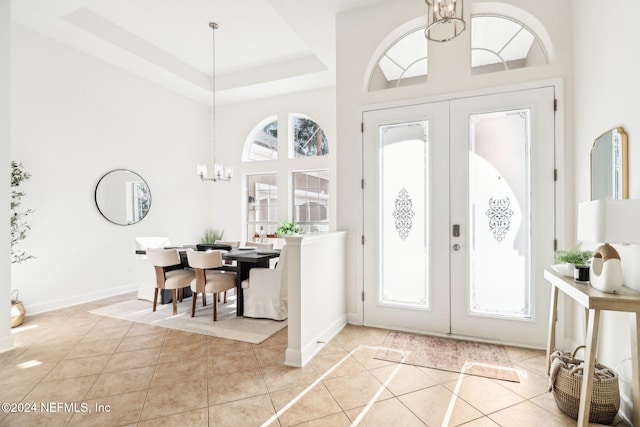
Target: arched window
x,y
403,64
499,43
306,137
262,142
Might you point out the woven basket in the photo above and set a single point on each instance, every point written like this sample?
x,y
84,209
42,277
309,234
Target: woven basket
x,y
605,397
18,311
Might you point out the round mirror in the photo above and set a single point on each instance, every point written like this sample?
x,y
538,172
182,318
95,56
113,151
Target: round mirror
x,y
609,170
123,197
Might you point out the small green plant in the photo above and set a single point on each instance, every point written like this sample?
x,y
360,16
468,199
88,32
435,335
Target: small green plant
x,y
211,235
19,225
287,228
574,256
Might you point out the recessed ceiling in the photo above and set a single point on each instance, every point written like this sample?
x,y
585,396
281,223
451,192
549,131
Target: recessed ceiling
x,y
263,47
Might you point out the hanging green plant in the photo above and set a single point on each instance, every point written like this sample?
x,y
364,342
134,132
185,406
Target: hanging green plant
x,y
19,226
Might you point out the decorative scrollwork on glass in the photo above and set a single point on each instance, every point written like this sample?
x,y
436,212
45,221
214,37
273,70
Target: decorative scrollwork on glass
x,y
403,213
499,214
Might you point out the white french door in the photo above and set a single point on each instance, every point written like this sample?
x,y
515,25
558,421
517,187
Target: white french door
x,y
459,216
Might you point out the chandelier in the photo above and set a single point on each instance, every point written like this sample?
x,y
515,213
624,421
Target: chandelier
x,y
220,172
445,20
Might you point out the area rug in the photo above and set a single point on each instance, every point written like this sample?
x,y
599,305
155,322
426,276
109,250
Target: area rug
x,y
227,326
447,354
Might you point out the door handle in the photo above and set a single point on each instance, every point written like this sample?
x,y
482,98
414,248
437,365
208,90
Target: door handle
x,y
456,247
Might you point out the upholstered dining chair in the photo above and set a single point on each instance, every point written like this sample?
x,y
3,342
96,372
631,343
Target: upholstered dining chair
x,y
259,245
209,281
266,291
167,277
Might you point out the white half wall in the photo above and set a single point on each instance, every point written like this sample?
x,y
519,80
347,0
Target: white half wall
x,y
317,293
74,118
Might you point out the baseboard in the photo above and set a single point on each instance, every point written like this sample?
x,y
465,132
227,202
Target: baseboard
x,y
626,409
354,319
298,358
79,299
6,344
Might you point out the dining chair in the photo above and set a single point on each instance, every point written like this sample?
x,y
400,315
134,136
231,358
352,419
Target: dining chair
x,y
207,280
259,245
169,274
266,291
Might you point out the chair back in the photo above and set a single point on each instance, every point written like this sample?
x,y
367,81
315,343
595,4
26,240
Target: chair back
x,y
233,244
259,245
201,259
163,257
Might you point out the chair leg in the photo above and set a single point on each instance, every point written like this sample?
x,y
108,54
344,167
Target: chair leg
x,y
193,304
155,299
174,296
180,294
204,299
225,297
215,306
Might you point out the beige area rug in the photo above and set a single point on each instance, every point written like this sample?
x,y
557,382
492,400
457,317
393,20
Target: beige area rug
x,y
447,354
227,326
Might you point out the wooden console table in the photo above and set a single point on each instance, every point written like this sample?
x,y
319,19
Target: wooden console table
x,y
593,302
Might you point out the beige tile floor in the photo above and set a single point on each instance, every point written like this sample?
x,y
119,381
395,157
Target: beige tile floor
x,y
121,373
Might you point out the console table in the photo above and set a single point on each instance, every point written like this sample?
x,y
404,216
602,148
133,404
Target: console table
x,y
593,302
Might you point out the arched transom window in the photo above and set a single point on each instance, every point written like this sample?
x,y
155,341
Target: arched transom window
x,y
498,43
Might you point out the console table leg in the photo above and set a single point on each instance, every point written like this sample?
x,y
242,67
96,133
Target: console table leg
x,y
589,365
553,317
635,367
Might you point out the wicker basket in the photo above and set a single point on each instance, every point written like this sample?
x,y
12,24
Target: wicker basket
x,y
18,311
605,397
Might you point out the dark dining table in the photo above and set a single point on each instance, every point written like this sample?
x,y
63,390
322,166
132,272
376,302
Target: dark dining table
x,y
245,260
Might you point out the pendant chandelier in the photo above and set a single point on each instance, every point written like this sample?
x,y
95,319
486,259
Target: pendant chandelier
x,y
220,172
445,20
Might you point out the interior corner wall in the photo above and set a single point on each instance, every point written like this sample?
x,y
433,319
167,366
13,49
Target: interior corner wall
x,y
74,118
6,339
607,89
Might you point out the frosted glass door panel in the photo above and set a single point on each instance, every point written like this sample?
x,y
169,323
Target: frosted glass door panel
x,y
404,212
499,226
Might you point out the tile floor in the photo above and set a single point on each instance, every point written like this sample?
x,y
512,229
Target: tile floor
x,y
121,373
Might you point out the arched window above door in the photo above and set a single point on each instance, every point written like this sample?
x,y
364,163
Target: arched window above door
x,y
498,43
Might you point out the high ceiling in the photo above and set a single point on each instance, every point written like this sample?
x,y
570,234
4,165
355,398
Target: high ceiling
x,y
263,47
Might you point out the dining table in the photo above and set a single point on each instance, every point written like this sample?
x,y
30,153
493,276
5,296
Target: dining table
x,y
246,258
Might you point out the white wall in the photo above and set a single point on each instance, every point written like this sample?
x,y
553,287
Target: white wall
x,y
607,90
74,118
6,340
238,120
362,36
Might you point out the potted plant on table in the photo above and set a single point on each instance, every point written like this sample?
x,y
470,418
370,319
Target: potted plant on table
x,y
567,260
287,228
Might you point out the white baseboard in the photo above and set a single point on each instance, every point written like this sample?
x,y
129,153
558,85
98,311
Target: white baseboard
x,y
79,299
298,358
354,319
6,344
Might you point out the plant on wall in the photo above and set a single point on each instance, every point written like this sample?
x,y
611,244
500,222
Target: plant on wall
x,y
19,225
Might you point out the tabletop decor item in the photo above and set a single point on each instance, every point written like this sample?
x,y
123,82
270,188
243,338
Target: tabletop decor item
x,y
567,260
287,228
608,221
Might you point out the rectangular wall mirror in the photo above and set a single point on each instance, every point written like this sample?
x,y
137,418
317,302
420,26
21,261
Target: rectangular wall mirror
x,y
609,166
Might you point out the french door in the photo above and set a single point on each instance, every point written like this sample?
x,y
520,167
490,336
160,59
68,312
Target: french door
x,y
459,216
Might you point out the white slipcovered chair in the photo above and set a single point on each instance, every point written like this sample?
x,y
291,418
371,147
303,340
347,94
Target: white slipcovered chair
x,y
168,278
265,292
209,281
145,274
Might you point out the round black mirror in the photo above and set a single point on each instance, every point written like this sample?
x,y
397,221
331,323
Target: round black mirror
x,y
123,197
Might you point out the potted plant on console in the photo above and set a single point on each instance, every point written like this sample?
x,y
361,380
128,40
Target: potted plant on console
x,y
573,261
287,228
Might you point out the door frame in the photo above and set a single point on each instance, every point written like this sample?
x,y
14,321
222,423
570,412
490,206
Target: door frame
x,y
562,232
